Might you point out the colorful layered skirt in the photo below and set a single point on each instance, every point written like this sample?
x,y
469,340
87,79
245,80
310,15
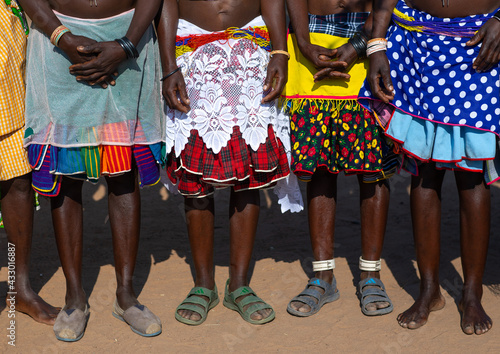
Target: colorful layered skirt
x,y
82,131
330,131
443,110
229,138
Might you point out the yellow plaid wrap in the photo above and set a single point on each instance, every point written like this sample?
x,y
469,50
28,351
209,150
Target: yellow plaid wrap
x,y
12,67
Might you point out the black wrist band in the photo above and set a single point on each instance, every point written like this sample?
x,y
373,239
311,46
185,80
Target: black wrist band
x,y
359,44
128,47
497,15
170,74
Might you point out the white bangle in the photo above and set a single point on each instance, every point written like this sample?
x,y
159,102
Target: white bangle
x,y
319,266
369,266
376,45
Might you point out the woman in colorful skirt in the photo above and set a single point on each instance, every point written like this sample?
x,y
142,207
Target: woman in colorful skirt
x,y
439,90
223,131
332,133
104,123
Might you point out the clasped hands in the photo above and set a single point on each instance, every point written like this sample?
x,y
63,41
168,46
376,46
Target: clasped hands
x,y
94,62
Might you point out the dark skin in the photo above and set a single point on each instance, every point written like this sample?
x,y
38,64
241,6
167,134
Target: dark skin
x,y
17,211
426,188
322,189
331,63
244,206
94,62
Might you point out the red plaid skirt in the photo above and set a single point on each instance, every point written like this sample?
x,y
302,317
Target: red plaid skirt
x,y
197,171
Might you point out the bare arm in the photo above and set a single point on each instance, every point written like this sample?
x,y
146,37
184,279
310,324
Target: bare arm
x,y
42,15
174,87
273,13
379,64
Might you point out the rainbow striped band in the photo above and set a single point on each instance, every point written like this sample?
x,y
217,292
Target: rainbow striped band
x,y
57,34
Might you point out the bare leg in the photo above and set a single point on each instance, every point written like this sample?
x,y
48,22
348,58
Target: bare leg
x,y
17,210
244,210
322,202
200,224
374,206
474,236
124,204
67,217
426,217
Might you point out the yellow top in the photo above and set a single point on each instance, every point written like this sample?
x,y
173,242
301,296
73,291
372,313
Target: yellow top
x,y
12,68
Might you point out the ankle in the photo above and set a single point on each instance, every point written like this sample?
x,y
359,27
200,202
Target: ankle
x,y
326,275
366,275
236,282
208,283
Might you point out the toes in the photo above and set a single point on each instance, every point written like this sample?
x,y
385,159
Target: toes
x,y
257,316
382,304
304,308
371,307
468,329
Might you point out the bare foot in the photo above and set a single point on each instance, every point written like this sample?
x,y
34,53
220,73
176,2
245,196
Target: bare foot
x,y
474,318
31,304
417,315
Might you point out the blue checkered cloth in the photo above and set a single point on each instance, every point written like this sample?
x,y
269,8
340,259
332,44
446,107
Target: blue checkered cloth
x,y
339,25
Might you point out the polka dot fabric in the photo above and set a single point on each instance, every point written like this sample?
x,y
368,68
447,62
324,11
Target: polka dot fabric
x,y
433,77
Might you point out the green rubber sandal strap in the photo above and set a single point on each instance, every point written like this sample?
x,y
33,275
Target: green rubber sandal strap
x,y
251,300
196,302
244,290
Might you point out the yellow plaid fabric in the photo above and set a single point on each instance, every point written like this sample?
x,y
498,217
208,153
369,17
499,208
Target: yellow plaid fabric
x,y
13,156
12,67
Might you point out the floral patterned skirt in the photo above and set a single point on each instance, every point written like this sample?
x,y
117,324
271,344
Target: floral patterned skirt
x,y
334,139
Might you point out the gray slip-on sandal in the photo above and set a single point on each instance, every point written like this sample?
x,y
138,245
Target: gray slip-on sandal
x,y
140,319
70,324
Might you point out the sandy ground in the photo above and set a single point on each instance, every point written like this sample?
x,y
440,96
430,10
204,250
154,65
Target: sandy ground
x,y
280,270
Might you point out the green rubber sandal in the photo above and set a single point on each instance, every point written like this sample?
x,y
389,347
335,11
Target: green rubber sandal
x,y
250,298
193,302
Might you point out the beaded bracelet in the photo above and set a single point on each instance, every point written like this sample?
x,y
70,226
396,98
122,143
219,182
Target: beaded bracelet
x,y
359,44
277,51
128,47
57,34
376,45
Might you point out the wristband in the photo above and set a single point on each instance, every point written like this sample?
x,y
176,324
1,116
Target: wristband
x,y
497,15
170,74
58,33
359,44
376,45
128,47
277,51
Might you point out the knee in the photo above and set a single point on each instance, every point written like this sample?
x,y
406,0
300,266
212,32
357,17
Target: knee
x,y
123,184
20,186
